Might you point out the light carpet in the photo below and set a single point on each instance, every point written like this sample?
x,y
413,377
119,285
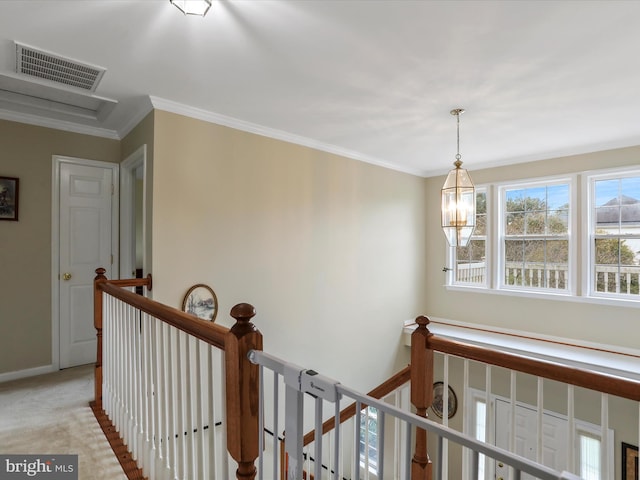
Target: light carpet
x,y
50,414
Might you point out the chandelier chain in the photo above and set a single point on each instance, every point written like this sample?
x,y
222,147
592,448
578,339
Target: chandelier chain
x,y
457,112
458,157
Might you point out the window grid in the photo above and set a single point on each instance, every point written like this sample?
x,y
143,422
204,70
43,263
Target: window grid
x,y
535,235
470,263
529,249
615,235
369,438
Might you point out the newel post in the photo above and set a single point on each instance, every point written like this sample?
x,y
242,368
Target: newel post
x,y
243,402
97,323
421,395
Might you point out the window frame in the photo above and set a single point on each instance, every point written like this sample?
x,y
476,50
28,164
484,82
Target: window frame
x,y
581,251
589,236
571,237
369,414
452,257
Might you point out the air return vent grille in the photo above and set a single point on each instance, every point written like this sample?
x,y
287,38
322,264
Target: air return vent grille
x,y
47,66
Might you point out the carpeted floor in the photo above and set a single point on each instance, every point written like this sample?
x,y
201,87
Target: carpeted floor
x,y
50,414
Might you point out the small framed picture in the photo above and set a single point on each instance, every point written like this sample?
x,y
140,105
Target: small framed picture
x,y
9,196
201,301
438,400
629,462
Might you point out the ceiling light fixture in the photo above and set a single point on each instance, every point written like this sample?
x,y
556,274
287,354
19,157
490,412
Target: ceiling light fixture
x,y
458,200
192,7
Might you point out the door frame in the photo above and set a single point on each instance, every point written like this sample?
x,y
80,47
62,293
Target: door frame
x,y
127,228
578,425
57,161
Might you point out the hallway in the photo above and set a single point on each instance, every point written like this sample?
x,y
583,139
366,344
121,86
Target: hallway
x,y
50,414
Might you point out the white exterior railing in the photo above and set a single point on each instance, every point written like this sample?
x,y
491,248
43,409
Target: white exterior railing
x,y
609,278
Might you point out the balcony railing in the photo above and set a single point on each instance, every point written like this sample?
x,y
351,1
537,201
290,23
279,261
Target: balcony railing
x,y
609,278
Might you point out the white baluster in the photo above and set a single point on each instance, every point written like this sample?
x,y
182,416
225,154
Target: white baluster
x,y
540,419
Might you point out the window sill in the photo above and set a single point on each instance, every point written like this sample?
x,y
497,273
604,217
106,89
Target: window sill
x,y
612,360
567,297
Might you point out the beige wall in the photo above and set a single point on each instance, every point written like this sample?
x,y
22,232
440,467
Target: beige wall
x,y
611,325
25,246
329,250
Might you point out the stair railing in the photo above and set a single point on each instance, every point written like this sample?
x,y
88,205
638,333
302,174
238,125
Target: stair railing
x,y
169,380
302,384
389,387
423,346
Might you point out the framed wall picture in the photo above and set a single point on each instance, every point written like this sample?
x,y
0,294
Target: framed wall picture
x,y
9,196
438,400
629,462
201,301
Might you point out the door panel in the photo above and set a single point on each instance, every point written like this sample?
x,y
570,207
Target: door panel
x,y
85,244
554,432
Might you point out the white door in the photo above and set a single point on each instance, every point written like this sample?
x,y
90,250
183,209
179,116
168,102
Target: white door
x,y
85,243
555,436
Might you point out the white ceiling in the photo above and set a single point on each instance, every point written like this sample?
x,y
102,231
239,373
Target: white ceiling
x,y
371,79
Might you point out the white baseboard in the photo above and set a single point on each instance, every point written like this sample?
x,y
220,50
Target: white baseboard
x,y
29,372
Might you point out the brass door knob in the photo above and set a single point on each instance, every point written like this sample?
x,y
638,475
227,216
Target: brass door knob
x,y
66,276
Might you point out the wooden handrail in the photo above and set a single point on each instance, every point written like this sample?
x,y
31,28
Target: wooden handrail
x,y
209,332
242,377
600,382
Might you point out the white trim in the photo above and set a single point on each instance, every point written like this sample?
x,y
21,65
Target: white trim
x,y
127,185
57,124
588,182
624,362
57,161
451,253
28,372
219,119
571,236
587,251
136,119
574,429
547,295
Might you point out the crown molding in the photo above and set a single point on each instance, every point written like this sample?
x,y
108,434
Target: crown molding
x,y
55,124
133,122
219,119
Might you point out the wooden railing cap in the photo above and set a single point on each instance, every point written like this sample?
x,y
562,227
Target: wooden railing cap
x,y
422,321
243,312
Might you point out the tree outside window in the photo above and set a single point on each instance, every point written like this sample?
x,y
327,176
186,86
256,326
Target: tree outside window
x,y
616,236
536,236
470,262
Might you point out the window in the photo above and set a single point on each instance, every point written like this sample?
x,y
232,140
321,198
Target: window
x,y
536,236
615,235
480,412
369,439
589,456
525,240
470,261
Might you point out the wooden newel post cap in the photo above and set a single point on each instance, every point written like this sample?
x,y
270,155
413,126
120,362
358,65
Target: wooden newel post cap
x,y
422,321
243,312
100,272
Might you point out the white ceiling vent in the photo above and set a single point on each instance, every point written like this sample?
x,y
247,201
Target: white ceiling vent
x,y
48,66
